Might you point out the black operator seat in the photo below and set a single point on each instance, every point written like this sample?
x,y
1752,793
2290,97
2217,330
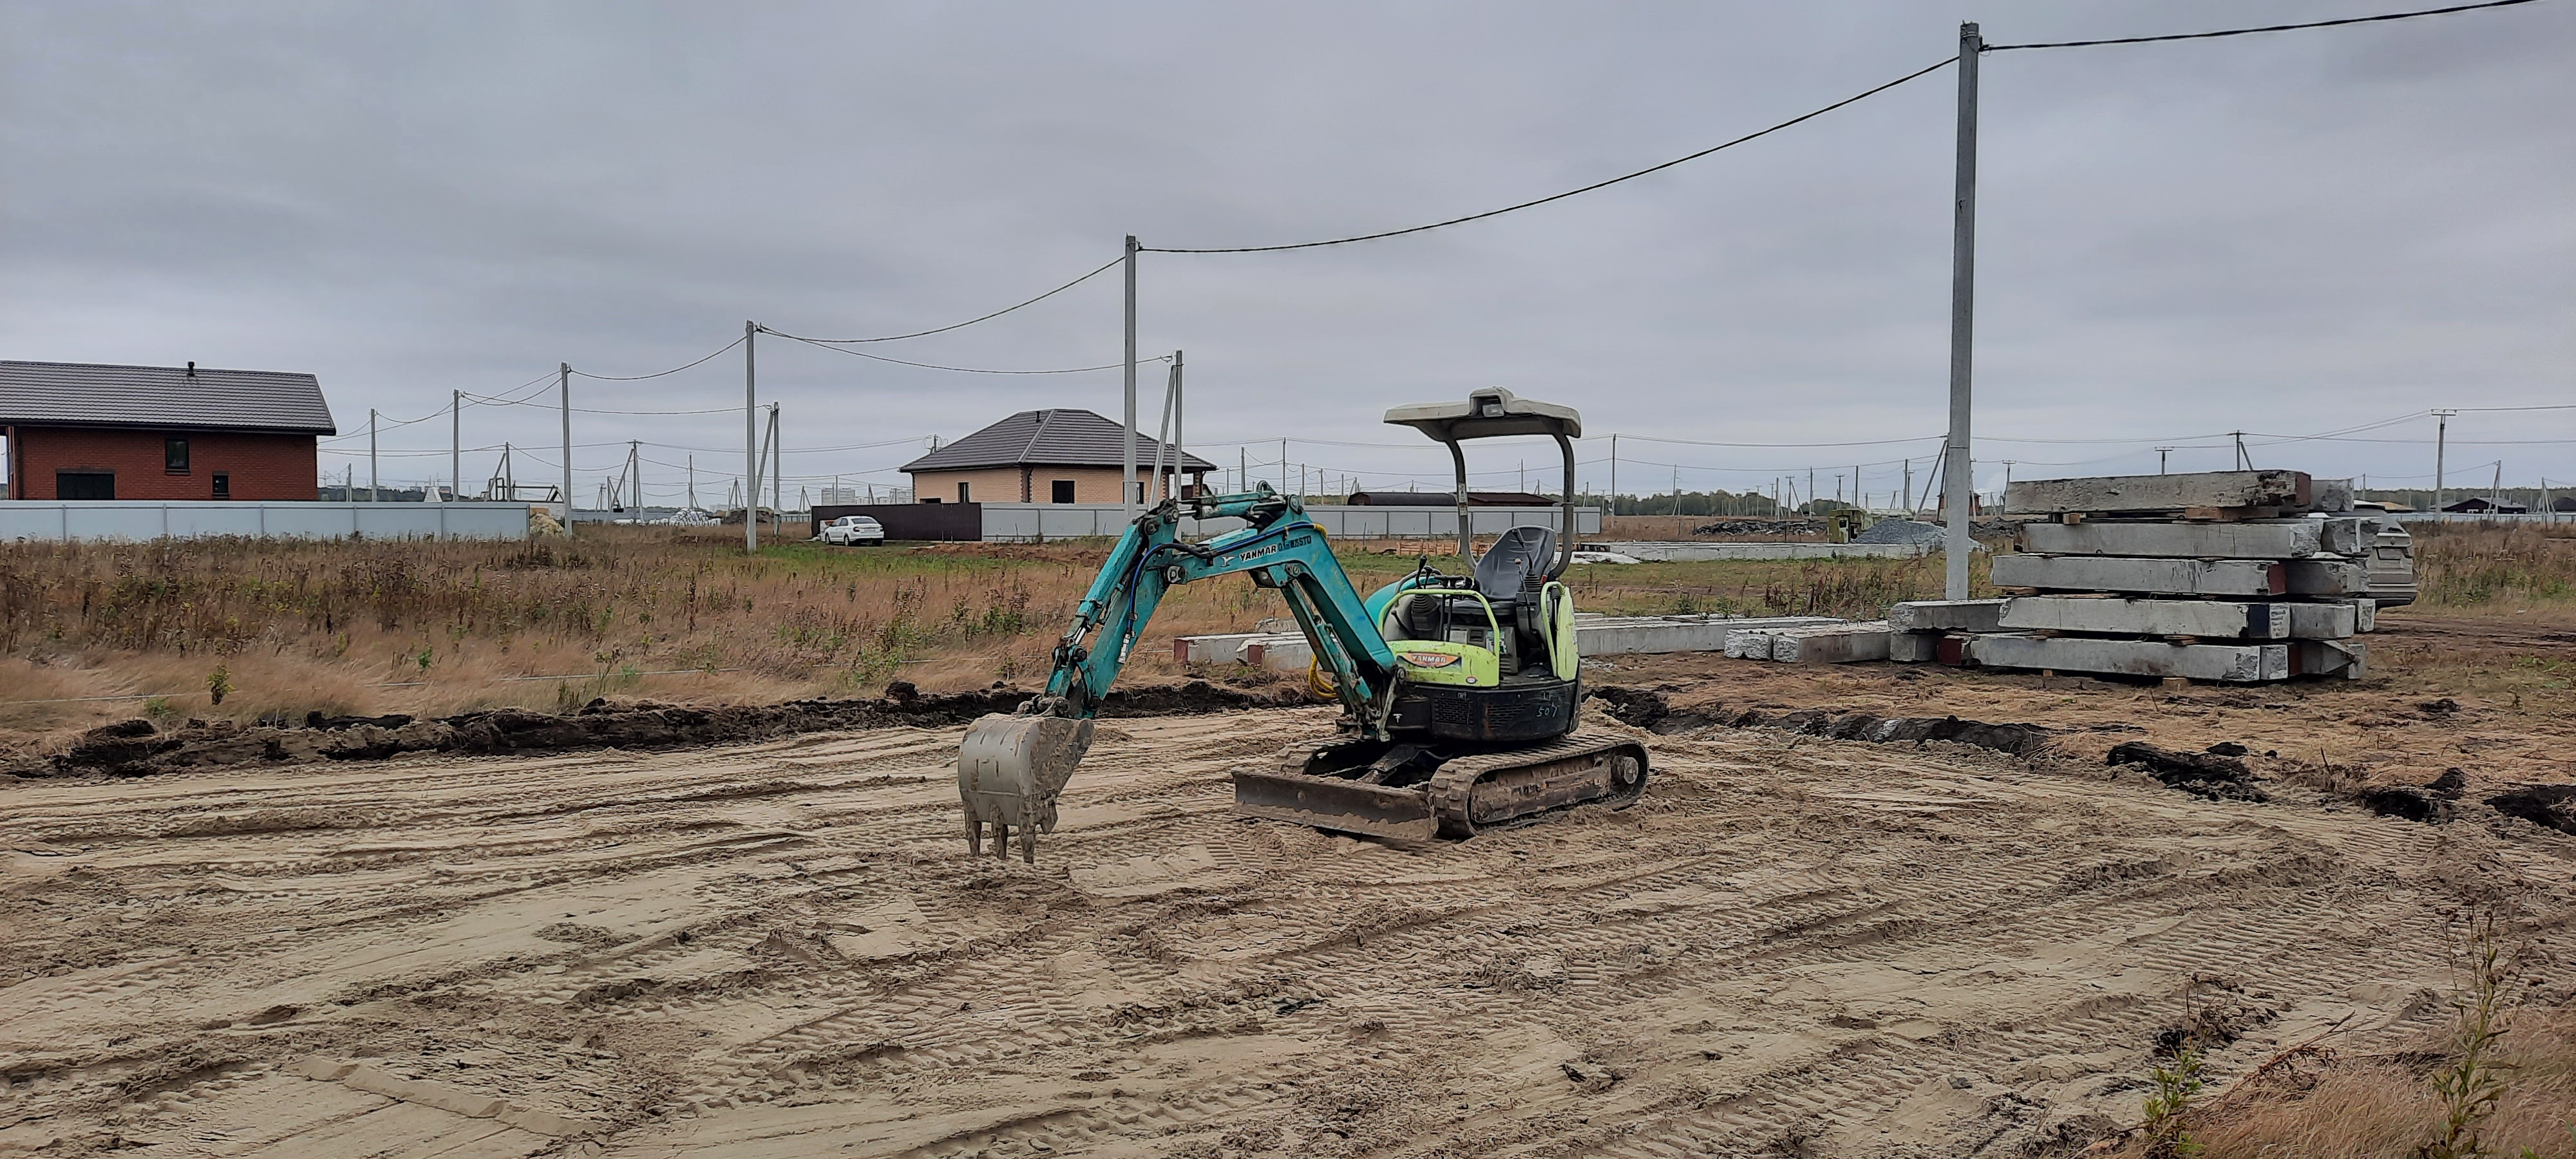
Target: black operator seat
x,y
1517,555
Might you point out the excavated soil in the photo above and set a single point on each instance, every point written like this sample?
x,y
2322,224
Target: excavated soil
x,y
1908,935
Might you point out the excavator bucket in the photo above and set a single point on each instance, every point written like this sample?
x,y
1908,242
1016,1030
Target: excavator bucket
x,y
1335,803
1009,770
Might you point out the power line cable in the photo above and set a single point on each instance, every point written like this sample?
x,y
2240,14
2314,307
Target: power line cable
x,y
2264,28
1863,95
822,345
1104,268
658,373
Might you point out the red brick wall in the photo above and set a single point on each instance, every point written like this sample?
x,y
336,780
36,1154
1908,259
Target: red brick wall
x,y
262,467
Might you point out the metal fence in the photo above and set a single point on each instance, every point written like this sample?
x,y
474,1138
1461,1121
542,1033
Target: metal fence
x,y
80,520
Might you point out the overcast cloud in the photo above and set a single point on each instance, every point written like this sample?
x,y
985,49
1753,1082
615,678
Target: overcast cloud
x,y
2286,234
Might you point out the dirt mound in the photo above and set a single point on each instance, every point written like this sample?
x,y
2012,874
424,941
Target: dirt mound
x,y
136,747
1648,709
2548,806
2216,776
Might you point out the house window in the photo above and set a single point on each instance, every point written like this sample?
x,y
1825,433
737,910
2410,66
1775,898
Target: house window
x,y
1060,491
84,484
223,485
175,452
962,486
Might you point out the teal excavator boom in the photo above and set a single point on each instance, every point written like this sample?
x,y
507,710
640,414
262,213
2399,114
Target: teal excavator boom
x,y
1458,693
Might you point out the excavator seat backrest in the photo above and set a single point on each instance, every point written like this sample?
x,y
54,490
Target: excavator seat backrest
x,y
1518,556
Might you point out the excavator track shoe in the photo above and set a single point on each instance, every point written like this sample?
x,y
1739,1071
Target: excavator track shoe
x,y
1009,771
1325,786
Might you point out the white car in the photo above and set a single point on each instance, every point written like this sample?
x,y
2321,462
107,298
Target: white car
x,y
852,531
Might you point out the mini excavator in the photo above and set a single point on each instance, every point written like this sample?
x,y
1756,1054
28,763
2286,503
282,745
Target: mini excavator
x,y
1458,693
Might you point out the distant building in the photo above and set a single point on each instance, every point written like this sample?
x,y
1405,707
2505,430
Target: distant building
x,y
1449,499
1059,455
83,431
2475,505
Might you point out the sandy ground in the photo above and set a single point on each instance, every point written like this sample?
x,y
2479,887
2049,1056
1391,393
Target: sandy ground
x,y
1819,947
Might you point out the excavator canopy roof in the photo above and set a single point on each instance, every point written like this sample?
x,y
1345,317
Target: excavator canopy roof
x,y
1487,413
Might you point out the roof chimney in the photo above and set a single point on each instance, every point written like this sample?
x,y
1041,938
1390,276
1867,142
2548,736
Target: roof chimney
x,y
192,368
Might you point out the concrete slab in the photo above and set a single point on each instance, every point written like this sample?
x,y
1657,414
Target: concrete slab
x,y
2348,659
2230,663
2335,621
1945,615
1749,645
1838,644
2279,539
1652,551
2189,577
1914,647
1635,635
2224,620
1220,648
2118,493
2326,577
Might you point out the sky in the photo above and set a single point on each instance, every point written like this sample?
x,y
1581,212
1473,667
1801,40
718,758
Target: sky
x,y
2288,234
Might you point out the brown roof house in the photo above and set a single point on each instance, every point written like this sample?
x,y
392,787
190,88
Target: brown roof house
x,y
85,431
1060,455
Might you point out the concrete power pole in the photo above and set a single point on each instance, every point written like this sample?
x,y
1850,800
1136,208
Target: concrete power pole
x,y
1127,488
1963,284
456,441
564,371
2441,443
2161,453
750,436
371,454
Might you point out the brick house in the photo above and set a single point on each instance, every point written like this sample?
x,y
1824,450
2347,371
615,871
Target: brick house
x,y
1060,455
83,431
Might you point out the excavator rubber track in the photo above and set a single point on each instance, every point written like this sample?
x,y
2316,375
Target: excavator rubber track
x,y
1500,789
1463,794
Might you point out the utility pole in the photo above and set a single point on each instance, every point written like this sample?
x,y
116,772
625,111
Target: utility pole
x,y
635,470
750,433
777,464
1906,497
2244,462
1963,284
1242,469
371,454
693,482
1127,496
564,371
1178,396
456,441
2495,490
2007,503
2441,443
1614,474
2161,452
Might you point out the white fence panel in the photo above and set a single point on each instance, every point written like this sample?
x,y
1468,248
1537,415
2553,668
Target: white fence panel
x,y
1034,522
141,519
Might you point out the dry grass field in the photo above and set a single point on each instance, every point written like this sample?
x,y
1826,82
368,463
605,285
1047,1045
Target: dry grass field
x,y
96,632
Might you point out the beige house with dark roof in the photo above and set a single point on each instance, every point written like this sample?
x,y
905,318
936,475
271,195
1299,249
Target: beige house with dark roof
x,y
1060,455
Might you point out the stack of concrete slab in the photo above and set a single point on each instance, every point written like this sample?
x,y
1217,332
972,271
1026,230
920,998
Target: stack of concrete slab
x,y
2236,576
